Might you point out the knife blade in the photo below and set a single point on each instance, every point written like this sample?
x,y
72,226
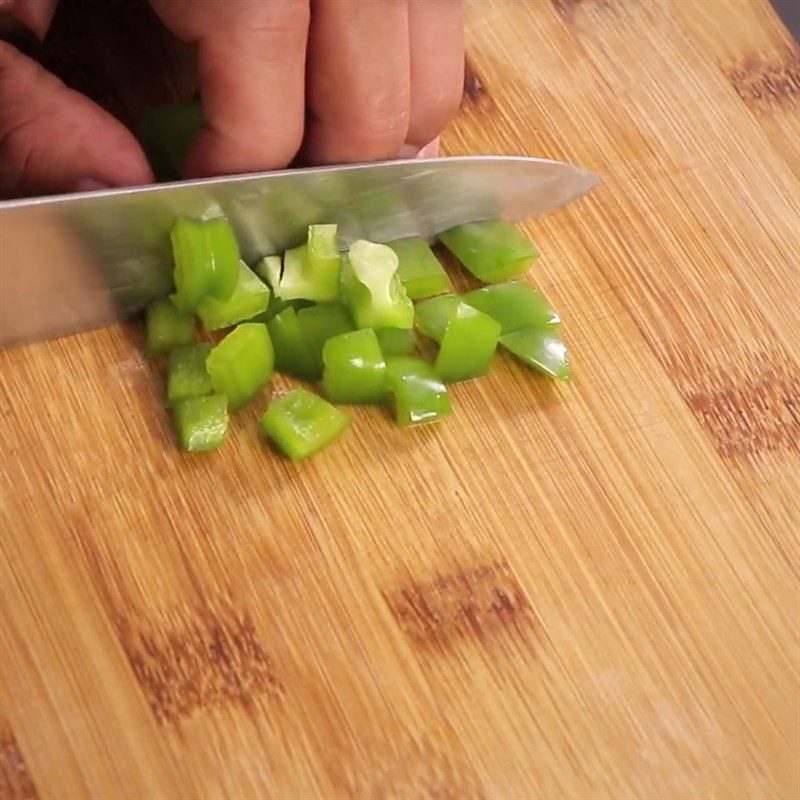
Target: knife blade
x,y
75,262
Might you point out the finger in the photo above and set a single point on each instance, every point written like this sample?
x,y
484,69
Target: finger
x,y
34,14
53,139
436,34
251,60
358,80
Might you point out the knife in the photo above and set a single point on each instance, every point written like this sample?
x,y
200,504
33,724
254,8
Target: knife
x,y
75,262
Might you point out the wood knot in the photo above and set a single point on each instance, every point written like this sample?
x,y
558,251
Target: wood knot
x,y
749,409
767,82
209,659
477,602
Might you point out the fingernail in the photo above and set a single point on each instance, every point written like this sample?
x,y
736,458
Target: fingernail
x,y
90,185
431,150
408,151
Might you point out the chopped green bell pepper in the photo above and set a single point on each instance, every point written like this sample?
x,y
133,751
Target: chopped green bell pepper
x,y
432,316
492,251
188,376
467,337
541,349
292,354
294,283
355,369
320,323
201,422
270,269
241,365
372,290
396,341
418,392
309,272
419,270
299,336
324,261
468,345
276,305
514,305
206,260
166,327
302,423
249,298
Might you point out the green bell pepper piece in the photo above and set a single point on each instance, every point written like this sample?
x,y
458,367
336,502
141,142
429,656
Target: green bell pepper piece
x,y
188,376
492,251
309,272
468,345
201,423
320,323
292,354
396,341
541,349
432,316
467,337
299,336
294,283
249,298
514,305
302,423
418,392
276,306
241,364
372,290
166,327
324,261
355,369
166,133
419,270
270,269
206,260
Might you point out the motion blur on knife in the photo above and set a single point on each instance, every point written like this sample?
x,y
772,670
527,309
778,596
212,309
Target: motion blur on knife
x,y
303,81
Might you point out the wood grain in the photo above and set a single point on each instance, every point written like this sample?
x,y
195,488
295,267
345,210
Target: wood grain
x,y
583,591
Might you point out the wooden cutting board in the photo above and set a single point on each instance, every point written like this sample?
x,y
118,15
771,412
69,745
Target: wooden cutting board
x,y
582,591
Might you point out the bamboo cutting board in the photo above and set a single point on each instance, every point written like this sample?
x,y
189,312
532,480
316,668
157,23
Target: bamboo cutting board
x,y
583,591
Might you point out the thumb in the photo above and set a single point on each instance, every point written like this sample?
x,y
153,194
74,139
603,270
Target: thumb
x,y
53,139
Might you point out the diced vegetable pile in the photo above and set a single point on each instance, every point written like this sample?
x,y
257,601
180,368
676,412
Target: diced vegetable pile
x,y
344,321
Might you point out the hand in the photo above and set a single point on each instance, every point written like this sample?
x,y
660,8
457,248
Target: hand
x,y
345,80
